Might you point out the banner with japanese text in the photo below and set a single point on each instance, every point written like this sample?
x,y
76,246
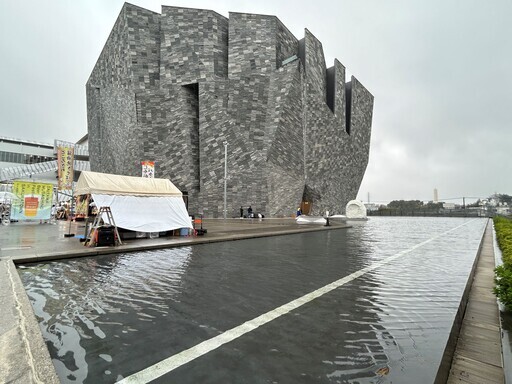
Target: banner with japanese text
x,y
33,201
65,158
148,169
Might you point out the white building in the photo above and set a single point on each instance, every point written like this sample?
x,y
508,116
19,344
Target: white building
x,y
449,205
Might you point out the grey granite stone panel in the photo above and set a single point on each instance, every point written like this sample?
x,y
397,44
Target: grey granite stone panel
x,y
330,151
170,123
113,64
246,136
284,192
287,44
285,156
286,148
362,111
130,55
93,125
314,64
118,134
144,46
215,127
339,95
193,45
252,44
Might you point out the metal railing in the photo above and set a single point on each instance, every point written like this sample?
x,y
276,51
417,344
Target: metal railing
x,y
28,170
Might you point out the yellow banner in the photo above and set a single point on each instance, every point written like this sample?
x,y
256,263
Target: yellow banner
x,y
33,201
65,158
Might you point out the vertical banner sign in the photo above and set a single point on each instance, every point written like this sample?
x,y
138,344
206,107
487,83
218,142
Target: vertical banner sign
x,y
33,201
148,169
81,206
65,158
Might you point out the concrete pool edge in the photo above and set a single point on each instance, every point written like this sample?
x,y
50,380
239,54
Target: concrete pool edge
x,y
21,340
165,243
478,356
449,351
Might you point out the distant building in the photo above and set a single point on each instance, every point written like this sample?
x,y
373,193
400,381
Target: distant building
x,y
25,159
449,205
175,87
371,207
503,210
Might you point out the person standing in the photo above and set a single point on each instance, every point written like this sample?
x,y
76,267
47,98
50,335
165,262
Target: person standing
x,y
241,212
249,211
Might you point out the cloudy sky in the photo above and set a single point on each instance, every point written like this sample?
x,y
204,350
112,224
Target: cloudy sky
x,y
440,71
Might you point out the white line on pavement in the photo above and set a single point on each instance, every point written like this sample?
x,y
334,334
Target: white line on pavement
x,y
171,363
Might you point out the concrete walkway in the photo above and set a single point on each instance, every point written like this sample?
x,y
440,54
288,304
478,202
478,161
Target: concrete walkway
x,y
477,357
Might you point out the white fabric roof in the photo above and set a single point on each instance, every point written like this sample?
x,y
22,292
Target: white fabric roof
x,y
108,184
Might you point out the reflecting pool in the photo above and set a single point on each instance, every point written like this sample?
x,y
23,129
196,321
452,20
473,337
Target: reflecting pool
x,y
105,318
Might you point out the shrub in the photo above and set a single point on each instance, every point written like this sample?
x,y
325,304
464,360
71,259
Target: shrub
x,y
503,273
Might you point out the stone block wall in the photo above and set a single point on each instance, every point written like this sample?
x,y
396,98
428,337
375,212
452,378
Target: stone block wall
x,y
173,87
194,46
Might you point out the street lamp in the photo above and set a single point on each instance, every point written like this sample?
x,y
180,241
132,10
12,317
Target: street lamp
x,y
225,177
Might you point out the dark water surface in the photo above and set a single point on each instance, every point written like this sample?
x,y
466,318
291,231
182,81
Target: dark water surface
x,y
107,317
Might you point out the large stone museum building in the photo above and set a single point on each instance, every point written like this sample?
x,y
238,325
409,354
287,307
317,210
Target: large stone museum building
x,y
185,87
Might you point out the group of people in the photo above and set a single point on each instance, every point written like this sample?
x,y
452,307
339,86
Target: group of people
x,y
250,214
62,211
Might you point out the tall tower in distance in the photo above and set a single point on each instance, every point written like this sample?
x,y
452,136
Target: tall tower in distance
x,y
436,197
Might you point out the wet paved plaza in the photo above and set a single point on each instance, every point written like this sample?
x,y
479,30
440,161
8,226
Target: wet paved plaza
x,y
370,304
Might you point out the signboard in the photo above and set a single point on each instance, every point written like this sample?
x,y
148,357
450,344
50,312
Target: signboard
x,y
81,206
65,158
33,201
148,169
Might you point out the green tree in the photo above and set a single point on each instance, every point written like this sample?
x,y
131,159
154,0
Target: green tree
x,y
406,205
503,198
431,206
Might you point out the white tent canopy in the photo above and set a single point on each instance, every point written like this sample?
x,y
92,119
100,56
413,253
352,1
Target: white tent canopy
x,y
107,184
138,204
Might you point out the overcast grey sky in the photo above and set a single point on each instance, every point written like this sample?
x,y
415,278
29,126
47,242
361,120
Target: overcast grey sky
x,y
440,71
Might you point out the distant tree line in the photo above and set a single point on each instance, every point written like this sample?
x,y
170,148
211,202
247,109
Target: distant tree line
x,y
501,198
419,208
412,205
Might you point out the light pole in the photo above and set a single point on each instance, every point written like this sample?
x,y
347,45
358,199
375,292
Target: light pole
x,y
225,177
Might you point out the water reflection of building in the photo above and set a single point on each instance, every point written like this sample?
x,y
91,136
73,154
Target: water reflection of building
x,y
81,303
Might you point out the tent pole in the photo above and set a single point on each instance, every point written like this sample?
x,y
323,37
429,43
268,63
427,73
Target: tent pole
x,y
69,234
225,177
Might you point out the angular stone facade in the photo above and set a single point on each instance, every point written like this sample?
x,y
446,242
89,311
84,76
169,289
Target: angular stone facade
x,y
172,87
